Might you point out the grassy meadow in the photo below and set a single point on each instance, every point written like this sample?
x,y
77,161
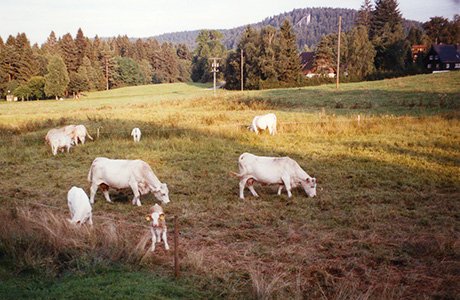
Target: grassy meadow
x,y
385,223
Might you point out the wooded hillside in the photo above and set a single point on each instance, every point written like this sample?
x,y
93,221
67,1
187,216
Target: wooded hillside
x,y
309,30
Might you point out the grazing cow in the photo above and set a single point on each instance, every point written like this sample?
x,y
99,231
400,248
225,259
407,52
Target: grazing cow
x,y
123,174
79,206
264,122
80,134
60,141
67,130
273,170
136,133
158,226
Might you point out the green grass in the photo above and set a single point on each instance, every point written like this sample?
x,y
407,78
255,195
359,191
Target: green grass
x,y
384,225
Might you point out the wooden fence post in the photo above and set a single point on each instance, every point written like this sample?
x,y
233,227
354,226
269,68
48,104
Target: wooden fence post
x,y
176,247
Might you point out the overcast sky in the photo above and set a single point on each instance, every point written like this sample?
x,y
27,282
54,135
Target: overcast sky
x,y
144,18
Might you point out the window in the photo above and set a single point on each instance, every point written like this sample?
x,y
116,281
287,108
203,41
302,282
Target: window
x,y
437,66
436,57
457,66
431,57
447,66
428,66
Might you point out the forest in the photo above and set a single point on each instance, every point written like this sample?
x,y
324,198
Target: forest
x,y
375,43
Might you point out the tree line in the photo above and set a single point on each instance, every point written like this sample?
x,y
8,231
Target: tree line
x,y
69,66
375,46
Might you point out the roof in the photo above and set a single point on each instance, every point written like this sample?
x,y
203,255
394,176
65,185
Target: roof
x,y
307,61
447,53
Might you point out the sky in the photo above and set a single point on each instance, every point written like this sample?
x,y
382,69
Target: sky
x,y
145,18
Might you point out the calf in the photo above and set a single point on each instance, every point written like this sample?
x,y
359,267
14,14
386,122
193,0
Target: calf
x,y
136,133
60,141
264,122
273,170
158,226
79,206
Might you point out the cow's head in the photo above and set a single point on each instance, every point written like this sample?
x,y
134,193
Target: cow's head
x,y
155,218
162,193
309,186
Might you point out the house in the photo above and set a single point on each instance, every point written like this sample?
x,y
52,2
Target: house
x,y
307,63
442,58
417,51
307,59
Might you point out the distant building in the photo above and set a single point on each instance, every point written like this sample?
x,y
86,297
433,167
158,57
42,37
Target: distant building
x,y
442,58
417,51
307,63
308,70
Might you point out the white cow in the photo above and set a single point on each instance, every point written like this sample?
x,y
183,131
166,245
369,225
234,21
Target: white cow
x,y
158,226
264,122
273,170
123,174
67,130
136,133
79,206
80,134
60,141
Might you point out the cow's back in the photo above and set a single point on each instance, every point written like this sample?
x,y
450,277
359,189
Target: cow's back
x,y
265,168
117,173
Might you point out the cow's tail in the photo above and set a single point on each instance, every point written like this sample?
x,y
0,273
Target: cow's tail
x,y
90,173
90,137
236,174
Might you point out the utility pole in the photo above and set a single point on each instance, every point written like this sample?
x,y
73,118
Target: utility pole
x,y
242,63
215,69
338,51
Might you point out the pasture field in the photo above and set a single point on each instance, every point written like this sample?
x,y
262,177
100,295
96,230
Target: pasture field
x,y
385,223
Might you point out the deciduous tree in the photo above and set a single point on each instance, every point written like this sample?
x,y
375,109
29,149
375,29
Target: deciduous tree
x,y
57,79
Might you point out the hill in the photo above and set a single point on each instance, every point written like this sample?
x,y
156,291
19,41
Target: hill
x,y
310,25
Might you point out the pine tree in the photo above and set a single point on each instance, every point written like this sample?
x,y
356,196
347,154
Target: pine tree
x,y
249,45
81,48
170,64
361,53
26,64
11,60
323,63
387,36
57,79
267,57
364,16
51,46
288,59
69,52
108,64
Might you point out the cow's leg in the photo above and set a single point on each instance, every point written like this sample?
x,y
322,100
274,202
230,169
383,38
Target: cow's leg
x,y
287,184
251,187
242,186
137,196
280,188
154,239
165,240
105,191
92,190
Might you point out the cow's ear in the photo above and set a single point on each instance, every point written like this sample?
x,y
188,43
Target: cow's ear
x,y
148,217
